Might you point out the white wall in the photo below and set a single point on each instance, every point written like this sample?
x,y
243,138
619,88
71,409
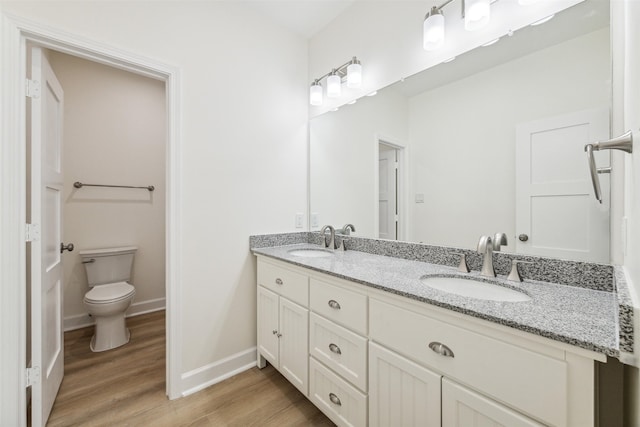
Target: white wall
x,y
243,142
343,154
463,135
114,133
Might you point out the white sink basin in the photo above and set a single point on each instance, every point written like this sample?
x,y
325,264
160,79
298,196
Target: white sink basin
x,y
311,253
475,289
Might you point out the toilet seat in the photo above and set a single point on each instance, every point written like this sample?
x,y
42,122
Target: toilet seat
x,y
111,292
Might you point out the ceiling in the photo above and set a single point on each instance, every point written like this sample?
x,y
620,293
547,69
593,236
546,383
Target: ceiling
x,y
303,17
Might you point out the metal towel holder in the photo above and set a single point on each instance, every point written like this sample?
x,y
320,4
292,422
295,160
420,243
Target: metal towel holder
x,y
623,142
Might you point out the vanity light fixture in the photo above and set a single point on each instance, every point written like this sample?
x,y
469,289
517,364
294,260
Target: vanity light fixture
x,y
315,93
476,14
351,72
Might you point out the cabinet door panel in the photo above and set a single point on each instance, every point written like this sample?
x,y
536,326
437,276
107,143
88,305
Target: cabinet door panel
x,y
464,408
294,342
401,392
268,325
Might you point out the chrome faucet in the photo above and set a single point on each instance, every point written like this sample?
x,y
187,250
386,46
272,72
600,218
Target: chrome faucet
x,y
347,229
485,246
500,239
332,236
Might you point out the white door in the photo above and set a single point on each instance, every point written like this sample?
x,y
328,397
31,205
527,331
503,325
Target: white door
x,y
464,408
294,338
47,344
557,214
401,392
387,200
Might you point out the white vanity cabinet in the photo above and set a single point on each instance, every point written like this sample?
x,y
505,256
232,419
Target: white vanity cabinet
x,y
380,359
283,325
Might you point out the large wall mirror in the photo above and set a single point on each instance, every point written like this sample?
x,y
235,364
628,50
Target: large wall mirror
x,y
492,141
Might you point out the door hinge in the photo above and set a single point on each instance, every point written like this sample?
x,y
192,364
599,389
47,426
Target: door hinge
x,y
33,375
33,88
395,218
396,165
32,232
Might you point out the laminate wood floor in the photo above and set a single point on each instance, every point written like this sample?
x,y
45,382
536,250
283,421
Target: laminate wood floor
x,y
126,387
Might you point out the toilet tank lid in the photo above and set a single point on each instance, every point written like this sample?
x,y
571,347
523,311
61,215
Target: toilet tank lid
x,y
109,251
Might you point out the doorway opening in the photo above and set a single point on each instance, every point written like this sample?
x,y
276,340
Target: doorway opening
x,y
389,191
14,301
90,123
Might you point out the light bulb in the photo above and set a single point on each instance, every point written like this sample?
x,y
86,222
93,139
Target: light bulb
x,y
354,74
476,14
334,85
433,30
315,93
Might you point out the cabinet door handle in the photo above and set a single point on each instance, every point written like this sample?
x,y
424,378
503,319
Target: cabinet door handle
x,y
335,399
441,349
335,349
334,304
279,281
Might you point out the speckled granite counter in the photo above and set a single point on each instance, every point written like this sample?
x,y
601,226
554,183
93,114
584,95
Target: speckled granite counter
x,y
578,316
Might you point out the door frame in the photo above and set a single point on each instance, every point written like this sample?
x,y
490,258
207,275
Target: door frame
x,y
402,149
15,32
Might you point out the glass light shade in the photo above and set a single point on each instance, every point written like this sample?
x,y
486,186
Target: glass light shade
x,y
354,76
433,32
334,86
315,94
476,14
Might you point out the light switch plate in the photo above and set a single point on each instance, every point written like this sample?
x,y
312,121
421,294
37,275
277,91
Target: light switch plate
x,y
299,219
419,198
315,220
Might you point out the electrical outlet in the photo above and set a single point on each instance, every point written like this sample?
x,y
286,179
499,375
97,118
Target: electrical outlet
x,y
299,218
315,220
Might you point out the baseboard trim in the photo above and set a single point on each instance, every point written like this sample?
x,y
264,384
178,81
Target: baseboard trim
x,y
218,371
79,321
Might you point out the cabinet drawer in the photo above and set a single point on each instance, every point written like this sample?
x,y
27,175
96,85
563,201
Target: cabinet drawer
x,y
339,400
531,382
340,349
339,305
290,284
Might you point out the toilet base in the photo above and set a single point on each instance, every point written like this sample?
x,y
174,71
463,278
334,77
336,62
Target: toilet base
x,y
111,332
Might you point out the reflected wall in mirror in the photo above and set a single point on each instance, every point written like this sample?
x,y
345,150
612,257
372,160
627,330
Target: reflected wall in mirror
x,y
491,142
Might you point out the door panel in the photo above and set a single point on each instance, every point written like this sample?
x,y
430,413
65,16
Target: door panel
x,y
555,205
387,193
268,325
46,262
294,345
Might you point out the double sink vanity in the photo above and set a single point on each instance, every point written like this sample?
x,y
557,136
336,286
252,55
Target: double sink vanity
x,y
388,333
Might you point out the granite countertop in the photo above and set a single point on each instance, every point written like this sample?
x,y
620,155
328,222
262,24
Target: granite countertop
x,y
578,316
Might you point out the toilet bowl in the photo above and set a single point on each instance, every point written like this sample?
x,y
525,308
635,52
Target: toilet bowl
x,y
108,272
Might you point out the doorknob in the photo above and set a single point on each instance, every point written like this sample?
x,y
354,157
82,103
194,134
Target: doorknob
x,y
67,247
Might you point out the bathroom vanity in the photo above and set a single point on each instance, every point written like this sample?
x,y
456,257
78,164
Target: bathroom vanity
x,y
370,344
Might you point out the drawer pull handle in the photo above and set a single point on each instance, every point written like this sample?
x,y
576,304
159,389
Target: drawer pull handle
x,y
335,399
334,304
335,349
279,281
441,349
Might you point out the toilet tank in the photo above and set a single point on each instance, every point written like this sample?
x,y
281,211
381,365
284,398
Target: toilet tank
x,y
108,265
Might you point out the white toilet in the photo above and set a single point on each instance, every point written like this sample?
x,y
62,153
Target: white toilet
x,y
108,272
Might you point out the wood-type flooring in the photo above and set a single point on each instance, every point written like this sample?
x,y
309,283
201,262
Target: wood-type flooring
x,y
126,387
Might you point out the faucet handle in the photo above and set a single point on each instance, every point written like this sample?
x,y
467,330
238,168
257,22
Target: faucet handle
x,y
499,239
515,274
463,266
342,247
